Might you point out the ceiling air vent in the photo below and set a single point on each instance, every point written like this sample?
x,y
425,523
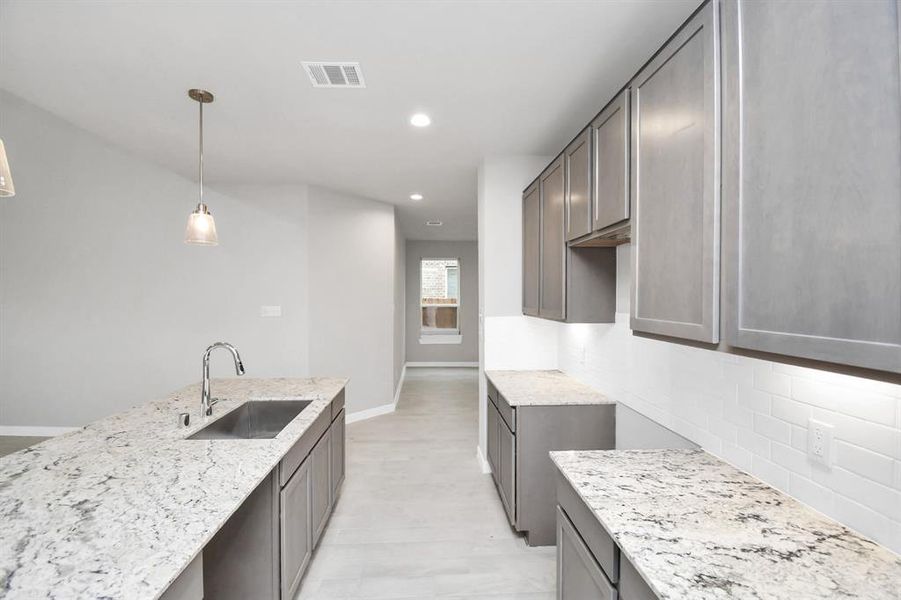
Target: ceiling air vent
x,y
335,74
433,223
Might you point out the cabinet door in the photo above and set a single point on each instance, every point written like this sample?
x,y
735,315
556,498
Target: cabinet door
x,y
492,422
610,162
578,575
507,446
812,239
320,484
337,441
531,249
577,159
296,531
675,186
552,298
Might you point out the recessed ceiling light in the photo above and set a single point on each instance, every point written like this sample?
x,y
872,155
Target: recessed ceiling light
x,y
415,196
420,120
433,223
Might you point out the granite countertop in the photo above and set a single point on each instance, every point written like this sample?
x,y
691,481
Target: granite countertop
x,y
543,388
119,508
696,527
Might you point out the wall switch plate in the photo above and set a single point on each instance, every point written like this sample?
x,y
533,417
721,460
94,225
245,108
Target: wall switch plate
x,y
270,311
819,442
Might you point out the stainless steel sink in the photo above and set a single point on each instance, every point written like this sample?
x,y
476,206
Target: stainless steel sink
x,y
253,420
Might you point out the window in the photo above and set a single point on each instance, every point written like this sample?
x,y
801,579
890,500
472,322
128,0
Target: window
x,y
439,294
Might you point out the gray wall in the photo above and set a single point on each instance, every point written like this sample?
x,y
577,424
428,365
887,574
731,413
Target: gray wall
x,y
468,350
103,307
400,279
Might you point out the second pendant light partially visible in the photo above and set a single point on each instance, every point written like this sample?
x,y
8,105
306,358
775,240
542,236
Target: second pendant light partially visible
x,y
201,229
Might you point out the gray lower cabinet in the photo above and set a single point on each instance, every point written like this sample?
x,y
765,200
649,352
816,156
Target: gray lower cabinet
x,y
579,576
611,203
338,460
321,484
812,250
531,249
296,532
675,185
552,300
577,162
519,439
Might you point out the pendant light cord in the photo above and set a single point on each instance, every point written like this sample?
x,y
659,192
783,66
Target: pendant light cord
x,y
201,150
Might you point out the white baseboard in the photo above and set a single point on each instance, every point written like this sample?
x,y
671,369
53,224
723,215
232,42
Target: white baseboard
x,y
383,409
443,364
376,411
34,430
483,464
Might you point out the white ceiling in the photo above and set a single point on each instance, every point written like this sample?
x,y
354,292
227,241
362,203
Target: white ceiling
x,y
497,78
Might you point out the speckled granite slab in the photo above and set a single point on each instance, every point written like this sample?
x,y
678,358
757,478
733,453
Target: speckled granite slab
x,y
119,508
543,388
697,528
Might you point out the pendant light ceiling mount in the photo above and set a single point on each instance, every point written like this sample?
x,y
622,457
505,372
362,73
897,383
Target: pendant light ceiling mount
x,y
201,229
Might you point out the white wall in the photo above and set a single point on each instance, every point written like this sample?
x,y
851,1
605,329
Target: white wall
x,y
103,307
501,181
351,260
750,412
468,350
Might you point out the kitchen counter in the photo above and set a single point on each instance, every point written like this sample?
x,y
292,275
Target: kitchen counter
x,y
119,508
695,527
543,388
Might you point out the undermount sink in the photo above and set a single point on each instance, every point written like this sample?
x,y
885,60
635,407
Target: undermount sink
x,y
253,420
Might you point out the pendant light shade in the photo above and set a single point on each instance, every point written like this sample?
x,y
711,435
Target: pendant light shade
x,y
7,188
201,229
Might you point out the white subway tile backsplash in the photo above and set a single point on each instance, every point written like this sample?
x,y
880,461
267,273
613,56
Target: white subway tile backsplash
x,y
790,410
754,399
754,443
869,406
790,458
875,496
898,475
774,429
878,438
865,520
736,455
866,463
814,494
767,380
770,472
799,438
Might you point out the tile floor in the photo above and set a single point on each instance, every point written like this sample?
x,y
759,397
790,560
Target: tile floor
x,y
416,517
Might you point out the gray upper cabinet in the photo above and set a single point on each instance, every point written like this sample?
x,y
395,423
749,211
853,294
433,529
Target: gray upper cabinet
x,y
812,220
675,185
552,298
610,164
577,159
531,249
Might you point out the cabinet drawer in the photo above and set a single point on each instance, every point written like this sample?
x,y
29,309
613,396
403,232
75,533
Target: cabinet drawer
x,y
578,574
631,584
507,412
302,448
598,541
337,404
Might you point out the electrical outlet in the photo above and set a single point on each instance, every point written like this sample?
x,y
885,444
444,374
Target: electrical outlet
x,y
271,311
819,442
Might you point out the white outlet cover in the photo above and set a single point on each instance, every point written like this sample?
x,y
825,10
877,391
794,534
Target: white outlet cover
x,y
271,311
819,442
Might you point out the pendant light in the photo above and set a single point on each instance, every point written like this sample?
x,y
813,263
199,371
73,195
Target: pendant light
x,y
7,189
201,229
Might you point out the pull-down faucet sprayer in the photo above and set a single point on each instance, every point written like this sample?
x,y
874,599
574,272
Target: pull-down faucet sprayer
x,y
206,402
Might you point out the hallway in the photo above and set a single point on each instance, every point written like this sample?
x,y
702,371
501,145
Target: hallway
x,y
416,518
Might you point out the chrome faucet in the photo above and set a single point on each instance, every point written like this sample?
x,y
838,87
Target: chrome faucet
x,y
206,403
